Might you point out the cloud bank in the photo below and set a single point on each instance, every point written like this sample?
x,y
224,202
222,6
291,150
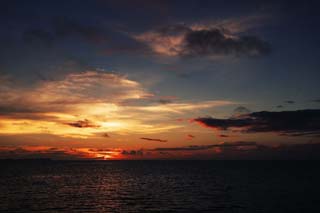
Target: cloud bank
x,y
294,123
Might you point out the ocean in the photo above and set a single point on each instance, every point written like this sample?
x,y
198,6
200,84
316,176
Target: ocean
x,y
159,186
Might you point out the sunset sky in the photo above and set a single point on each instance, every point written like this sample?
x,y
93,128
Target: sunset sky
x,y
160,79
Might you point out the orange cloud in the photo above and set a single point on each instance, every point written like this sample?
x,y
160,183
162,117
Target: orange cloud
x,y
94,101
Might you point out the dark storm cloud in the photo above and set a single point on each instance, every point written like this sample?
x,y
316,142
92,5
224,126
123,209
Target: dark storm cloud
x,y
214,42
153,139
206,147
288,122
316,101
83,124
279,106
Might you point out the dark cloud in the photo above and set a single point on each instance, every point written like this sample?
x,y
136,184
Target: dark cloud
x,y
22,112
191,42
190,136
83,124
153,139
316,101
50,153
214,42
165,101
308,151
241,110
16,109
223,136
297,122
206,147
290,102
132,152
224,124
279,106
248,150
235,150
105,135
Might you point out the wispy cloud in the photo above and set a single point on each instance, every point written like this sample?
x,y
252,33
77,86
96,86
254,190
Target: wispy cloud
x,y
154,139
83,124
93,101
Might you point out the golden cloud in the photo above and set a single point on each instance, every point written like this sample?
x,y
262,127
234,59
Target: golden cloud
x,y
82,105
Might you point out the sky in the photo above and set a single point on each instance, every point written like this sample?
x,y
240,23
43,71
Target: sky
x,y
139,79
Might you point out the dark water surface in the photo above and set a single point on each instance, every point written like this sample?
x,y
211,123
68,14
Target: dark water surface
x,y
160,186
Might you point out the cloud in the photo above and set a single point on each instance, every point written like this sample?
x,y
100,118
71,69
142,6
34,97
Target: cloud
x,y
214,42
82,100
190,137
74,88
96,101
232,150
106,135
241,110
132,152
167,99
242,150
40,152
83,124
197,40
64,153
206,147
288,122
290,102
153,139
316,101
180,107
